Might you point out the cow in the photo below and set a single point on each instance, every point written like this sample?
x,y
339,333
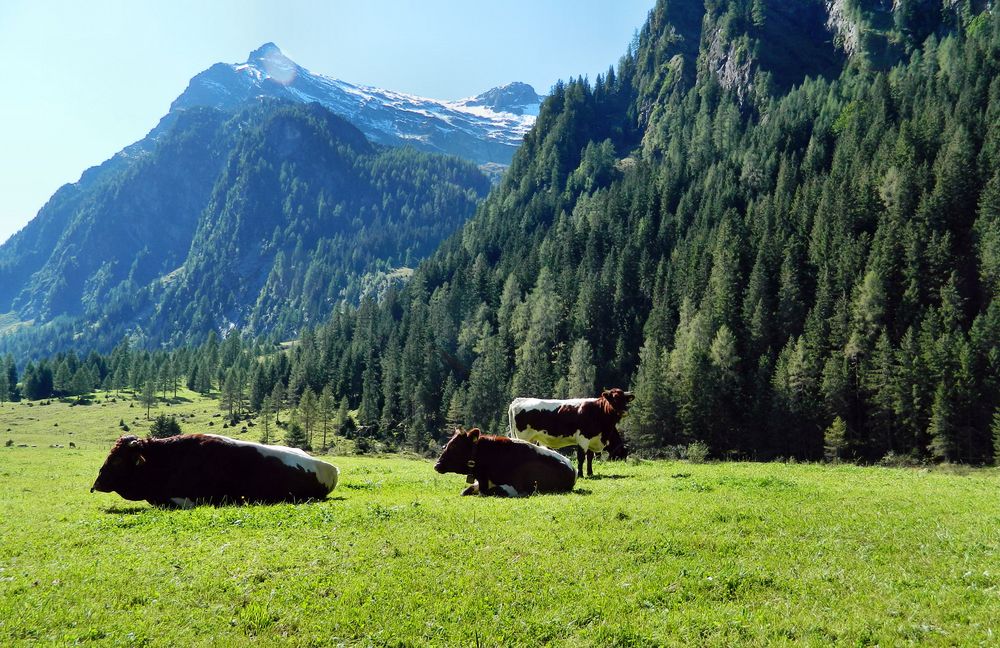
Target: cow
x,y
505,467
189,469
587,423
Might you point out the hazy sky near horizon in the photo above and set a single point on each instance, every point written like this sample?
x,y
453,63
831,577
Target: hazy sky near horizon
x,y
85,79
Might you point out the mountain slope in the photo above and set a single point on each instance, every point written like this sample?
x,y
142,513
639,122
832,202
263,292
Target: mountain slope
x,y
485,129
781,259
262,219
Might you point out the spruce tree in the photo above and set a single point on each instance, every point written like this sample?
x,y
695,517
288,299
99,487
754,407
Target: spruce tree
x,y
266,410
582,372
149,396
325,411
834,440
995,429
308,413
296,437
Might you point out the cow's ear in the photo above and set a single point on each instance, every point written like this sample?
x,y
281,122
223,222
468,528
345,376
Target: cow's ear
x,y
474,434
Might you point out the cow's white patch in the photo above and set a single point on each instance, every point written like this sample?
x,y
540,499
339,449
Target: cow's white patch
x,y
327,474
543,450
182,502
518,405
510,490
546,404
539,436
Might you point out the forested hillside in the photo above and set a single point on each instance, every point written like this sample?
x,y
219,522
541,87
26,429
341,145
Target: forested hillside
x,y
778,264
263,220
780,259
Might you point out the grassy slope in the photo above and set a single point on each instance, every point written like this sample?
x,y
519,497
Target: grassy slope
x,y
649,553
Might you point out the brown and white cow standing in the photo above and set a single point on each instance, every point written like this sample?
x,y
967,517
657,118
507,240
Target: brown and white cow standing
x,y
188,469
588,423
505,467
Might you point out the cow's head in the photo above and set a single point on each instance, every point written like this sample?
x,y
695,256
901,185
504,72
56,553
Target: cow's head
x,y
459,453
615,445
618,399
123,465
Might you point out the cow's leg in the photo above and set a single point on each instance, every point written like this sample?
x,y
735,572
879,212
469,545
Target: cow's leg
x,y
473,489
579,461
590,463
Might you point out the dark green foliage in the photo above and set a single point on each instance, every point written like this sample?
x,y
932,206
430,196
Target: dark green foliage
x,y
164,426
782,260
296,437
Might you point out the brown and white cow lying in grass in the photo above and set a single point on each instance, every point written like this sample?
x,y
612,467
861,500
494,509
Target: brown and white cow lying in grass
x,y
505,467
590,424
194,469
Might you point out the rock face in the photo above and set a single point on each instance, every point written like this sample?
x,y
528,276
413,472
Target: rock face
x,y
516,98
484,129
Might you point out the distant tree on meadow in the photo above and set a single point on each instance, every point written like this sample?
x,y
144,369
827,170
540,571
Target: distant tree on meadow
x,y
164,426
148,397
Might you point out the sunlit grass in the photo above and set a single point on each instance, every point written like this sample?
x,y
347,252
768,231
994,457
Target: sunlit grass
x,y
647,553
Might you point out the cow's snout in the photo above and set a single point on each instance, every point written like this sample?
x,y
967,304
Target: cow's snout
x,y
439,467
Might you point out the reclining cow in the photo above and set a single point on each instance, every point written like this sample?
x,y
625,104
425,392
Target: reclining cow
x,y
189,469
588,423
504,467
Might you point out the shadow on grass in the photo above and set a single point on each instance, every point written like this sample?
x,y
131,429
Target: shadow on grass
x,y
607,477
134,510
581,491
125,510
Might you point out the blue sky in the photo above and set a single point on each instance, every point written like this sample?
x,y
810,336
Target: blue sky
x,y
81,80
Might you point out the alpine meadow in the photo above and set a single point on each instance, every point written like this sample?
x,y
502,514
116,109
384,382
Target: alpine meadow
x,y
753,266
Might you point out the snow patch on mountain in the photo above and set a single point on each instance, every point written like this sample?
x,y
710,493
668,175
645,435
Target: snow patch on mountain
x,y
486,128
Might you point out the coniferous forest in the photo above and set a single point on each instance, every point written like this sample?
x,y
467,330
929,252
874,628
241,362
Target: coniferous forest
x,y
780,260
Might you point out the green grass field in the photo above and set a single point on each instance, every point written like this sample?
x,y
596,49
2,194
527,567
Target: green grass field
x,y
648,553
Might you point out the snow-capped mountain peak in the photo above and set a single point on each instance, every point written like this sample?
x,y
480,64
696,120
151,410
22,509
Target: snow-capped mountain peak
x,y
486,128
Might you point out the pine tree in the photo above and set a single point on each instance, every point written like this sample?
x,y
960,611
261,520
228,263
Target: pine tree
x,y
266,410
344,421
149,396
278,400
164,426
834,440
4,384
941,429
650,415
996,436
296,437
63,379
534,375
308,412
10,368
228,397
489,386
582,372
81,383
325,411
